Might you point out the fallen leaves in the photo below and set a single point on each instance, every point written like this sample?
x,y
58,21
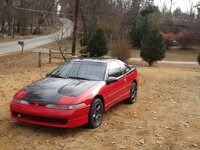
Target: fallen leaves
x,y
162,116
194,145
141,142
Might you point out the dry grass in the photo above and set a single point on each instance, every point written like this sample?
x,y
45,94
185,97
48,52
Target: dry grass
x,y
17,38
175,54
45,31
67,44
166,115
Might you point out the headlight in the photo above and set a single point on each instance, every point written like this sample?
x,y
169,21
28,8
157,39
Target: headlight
x,y
20,101
67,107
20,94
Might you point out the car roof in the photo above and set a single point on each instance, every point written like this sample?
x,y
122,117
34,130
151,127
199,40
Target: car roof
x,y
101,60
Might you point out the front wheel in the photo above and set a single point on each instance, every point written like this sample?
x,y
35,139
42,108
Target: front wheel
x,y
96,113
133,93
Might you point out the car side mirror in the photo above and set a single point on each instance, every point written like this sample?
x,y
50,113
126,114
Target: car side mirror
x,y
111,80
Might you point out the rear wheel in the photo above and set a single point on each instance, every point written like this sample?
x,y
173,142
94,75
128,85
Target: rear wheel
x,y
133,93
96,113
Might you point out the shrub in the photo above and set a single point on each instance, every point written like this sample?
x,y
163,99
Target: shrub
x,y
198,59
185,39
121,49
169,39
197,39
153,47
97,45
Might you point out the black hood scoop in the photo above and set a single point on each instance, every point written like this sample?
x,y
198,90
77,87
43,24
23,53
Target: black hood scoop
x,y
50,90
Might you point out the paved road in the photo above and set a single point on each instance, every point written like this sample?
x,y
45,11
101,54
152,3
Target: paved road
x,y
169,62
10,47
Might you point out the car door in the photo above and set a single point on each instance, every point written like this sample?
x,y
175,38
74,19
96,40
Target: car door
x,y
126,70
114,91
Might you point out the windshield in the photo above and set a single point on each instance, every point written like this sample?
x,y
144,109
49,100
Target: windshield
x,y
81,70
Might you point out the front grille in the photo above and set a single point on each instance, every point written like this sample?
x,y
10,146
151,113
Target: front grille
x,y
37,104
40,119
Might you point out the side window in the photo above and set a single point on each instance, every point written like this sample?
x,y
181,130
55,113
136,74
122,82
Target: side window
x,y
125,68
114,69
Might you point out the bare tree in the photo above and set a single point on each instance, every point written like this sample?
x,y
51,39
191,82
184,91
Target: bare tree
x,y
62,42
25,15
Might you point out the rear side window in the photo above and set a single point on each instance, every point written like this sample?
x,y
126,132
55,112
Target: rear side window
x,y
114,69
124,67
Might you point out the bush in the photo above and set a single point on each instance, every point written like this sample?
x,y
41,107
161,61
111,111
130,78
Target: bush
x,y
97,45
169,39
153,47
121,49
198,59
185,39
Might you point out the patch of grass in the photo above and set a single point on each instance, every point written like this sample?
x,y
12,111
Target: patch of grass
x,y
49,30
175,54
17,38
53,45
182,55
50,45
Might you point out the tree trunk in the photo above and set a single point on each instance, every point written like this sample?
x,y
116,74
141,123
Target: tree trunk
x,y
62,53
150,63
83,20
75,27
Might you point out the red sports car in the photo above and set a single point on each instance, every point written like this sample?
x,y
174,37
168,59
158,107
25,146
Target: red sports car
x,y
76,93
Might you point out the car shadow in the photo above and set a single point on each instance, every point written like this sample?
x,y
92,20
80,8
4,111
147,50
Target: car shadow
x,y
48,130
118,106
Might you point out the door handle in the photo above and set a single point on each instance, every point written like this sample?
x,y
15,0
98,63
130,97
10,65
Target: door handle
x,y
125,80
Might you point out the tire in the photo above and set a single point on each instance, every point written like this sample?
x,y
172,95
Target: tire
x,y
133,94
96,113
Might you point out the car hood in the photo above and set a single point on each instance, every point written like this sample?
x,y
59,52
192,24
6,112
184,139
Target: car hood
x,y
50,90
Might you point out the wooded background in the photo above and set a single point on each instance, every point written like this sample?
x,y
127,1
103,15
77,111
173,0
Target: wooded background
x,y
116,17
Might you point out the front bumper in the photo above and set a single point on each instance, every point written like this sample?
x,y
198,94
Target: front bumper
x,y
41,115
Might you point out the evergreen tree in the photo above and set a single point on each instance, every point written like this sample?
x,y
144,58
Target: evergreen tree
x,y
97,45
153,48
84,40
139,32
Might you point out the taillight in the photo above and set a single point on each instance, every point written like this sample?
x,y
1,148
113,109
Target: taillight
x,y
20,94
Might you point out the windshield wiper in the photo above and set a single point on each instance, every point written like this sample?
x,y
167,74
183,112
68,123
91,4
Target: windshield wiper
x,y
55,76
79,78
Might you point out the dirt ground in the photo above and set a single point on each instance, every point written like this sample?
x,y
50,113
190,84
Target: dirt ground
x,y
165,116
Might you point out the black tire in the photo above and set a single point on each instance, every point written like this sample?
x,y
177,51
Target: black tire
x,y
133,94
96,113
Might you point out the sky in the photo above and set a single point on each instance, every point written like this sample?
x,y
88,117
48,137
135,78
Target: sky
x,y
185,5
